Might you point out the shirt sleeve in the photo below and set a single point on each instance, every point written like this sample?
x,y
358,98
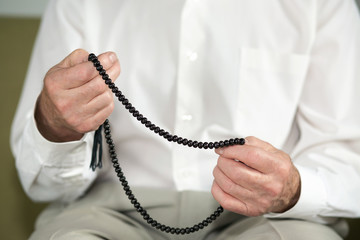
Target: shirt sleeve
x,y
327,154
50,171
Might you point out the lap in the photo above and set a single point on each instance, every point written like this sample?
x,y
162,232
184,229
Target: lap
x,y
106,213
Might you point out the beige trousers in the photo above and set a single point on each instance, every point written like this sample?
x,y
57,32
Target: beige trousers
x,y
106,213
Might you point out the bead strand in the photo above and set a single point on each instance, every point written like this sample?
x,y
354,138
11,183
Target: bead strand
x,y
161,132
146,216
171,138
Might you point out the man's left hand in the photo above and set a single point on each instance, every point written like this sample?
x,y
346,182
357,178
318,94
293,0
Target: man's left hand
x,y
255,179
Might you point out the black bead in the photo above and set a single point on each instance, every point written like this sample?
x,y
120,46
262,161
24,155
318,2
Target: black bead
x,y
144,120
111,84
91,56
221,144
132,109
105,76
102,72
195,144
242,141
99,68
174,138
226,143
206,145
200,145
136,113
121,98
232,142
211,145
179,140
156,129
96,62
128,106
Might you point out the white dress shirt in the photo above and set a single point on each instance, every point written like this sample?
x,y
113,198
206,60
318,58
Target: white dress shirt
x,y
284,71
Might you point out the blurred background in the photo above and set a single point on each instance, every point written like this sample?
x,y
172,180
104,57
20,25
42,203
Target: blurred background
x,y
19,22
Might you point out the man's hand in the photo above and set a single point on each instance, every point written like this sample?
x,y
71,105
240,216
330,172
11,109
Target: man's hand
x,y
74,99
255,178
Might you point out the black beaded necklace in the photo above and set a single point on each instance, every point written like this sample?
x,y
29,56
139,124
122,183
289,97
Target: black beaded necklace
x,y
171,138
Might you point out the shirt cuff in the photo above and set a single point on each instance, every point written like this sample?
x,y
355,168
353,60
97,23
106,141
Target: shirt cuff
x,y
64,154
312,199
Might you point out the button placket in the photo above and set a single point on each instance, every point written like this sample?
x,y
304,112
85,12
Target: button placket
x,y
189,99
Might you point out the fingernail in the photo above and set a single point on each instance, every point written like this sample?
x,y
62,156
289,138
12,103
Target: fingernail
x,y
219,151
113,57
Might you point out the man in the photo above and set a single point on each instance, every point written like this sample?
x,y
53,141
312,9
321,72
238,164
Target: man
x,y
283,71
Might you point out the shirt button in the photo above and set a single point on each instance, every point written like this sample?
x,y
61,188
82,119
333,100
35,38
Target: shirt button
x,y
192,56
186,117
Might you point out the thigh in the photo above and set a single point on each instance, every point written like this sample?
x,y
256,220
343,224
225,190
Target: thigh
x,y
260,228
89,223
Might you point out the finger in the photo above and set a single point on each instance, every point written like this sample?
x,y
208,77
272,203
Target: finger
x,y
253,141
241,174
99,118
78,75
97,86
227,201
229,186
100,102
93,116
251,156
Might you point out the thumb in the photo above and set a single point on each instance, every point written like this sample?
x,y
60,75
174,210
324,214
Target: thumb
x,y
76,57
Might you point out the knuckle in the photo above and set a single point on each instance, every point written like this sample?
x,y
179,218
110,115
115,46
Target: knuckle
x,y
62,106
274,190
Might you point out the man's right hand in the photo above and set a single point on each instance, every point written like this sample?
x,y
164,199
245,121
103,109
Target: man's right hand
x,y
74,99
